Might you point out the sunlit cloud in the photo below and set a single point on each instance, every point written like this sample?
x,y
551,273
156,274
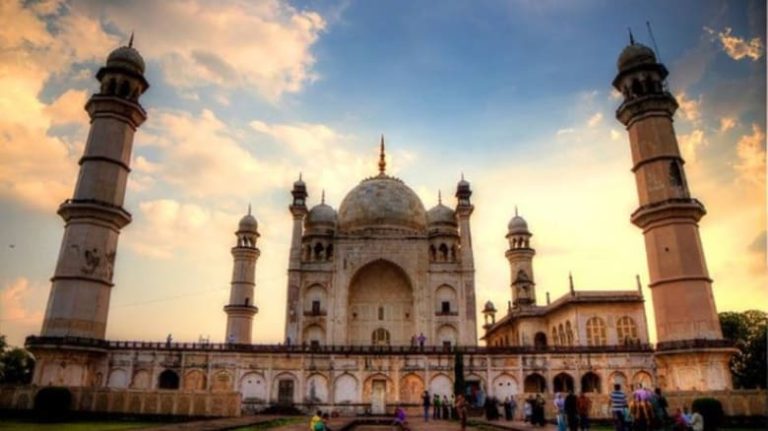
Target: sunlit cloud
x,y
262,47
751,156
15,296
690,144
689,108
737,47
727,123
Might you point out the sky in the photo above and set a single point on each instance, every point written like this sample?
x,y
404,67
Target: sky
x,y
245,95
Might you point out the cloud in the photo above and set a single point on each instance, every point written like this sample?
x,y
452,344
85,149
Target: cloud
x,y
690,144
37,168
689,108
736,47
262,46
14,296
727,123
595,119
751,157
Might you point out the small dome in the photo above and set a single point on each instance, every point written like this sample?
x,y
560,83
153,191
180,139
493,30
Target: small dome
x,y
248,224
299,183
382,201
489,307
321,214
634,55
441,214
517,225
126,57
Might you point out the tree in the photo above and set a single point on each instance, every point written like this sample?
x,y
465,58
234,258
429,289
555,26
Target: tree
x,y
16,364
748,330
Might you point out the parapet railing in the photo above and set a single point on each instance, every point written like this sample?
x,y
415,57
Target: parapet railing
x,y
696,343
35,341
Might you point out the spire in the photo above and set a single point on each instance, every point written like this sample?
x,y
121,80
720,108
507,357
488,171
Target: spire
x,y
548,301
462,175
570,283
249,208
300,173
639,285
631,36
382,160
130,41
516,211
322,197
439,197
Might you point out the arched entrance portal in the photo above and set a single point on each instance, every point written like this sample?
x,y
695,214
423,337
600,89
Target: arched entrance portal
x,y
380,298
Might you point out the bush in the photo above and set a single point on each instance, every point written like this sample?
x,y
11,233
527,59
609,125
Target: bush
x,y
711,410
53,403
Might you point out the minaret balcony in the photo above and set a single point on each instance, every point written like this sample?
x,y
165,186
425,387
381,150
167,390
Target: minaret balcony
x,y
637,108
241,309
686,208
95,209
315,313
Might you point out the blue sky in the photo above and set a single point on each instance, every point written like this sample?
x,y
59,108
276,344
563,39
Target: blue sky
x,y
245,95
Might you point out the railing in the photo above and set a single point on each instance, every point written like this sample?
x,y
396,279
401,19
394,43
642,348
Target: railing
x,y
34,341
696,343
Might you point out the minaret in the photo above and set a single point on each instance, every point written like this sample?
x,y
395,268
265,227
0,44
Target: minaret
x,y
464,209
690,351
241,309
520,256
78,303
298,210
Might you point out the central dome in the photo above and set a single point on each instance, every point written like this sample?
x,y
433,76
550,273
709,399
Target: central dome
x,y
382,202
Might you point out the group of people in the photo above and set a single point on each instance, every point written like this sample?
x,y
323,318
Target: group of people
x,y
442,408
645,411
683,420
572,411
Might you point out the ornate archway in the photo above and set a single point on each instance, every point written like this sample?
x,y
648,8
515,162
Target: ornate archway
x,y
380,297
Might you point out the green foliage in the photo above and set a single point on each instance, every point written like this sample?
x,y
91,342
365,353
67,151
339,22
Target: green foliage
x,y
711,410
16,364
748,330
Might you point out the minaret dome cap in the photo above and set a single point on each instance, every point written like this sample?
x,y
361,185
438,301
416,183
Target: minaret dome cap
x,y
517,225
635,54
126,57
248,224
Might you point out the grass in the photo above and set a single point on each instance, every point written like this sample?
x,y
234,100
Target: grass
x,y
30,425
272,424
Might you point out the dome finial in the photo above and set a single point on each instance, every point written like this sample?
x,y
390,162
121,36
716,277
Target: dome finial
x,y
631,36
322,197
570,282
249,208
516,211
382,159
300,174
130,41
439,197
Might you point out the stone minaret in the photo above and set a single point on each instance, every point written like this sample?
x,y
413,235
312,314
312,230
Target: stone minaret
x,y
78,304
240,310
520,256
298,210
690,351
464,209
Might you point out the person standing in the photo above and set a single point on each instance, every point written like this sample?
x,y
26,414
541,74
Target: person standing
x,y
697,420
618,405
446,408
512,407
425,402
461,410
572,411
560,411
436,407
660,415
318,417
538,411
507,409
583,405
422,340
528,410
